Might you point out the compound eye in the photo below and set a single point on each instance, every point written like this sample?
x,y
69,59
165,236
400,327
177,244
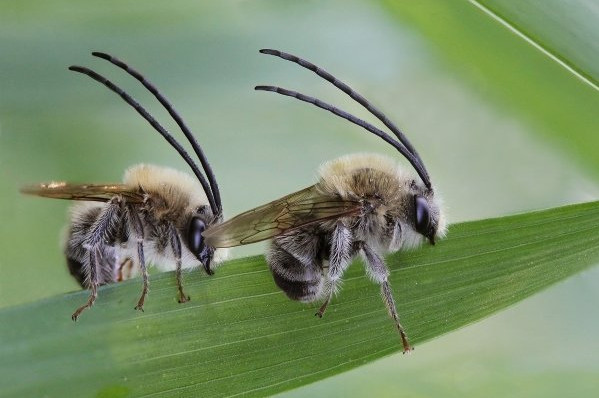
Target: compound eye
x,y
423,218
195,240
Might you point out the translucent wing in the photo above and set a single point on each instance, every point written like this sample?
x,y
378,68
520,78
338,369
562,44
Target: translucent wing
x,y
292,211
91,192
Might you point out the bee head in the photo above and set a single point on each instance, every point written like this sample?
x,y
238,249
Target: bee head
x,y
198,223
427,217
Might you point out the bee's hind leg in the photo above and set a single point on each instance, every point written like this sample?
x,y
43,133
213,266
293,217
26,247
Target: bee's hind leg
x,y
377,270
341,254
101,230
93,284
176,246
139,231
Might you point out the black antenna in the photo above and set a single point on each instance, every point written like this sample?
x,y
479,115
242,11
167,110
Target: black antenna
x,y
171,110
347,116
349,91
171,140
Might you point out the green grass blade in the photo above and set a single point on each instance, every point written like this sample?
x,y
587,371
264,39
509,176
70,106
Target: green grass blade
x,y
240,336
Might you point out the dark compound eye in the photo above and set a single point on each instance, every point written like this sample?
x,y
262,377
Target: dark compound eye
x,y
195,241
423,218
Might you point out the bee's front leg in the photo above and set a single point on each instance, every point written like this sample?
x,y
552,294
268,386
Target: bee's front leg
x,y
139,232
176,247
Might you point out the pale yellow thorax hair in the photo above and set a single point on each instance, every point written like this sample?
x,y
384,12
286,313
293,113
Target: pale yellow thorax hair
x,y
336,174
180,189
166,182
336,177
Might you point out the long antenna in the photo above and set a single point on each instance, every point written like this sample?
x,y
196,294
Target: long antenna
x,y
347,116
171,110
171,140
349,91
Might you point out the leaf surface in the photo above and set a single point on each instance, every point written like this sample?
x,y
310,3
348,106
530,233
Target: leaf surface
x,y
240,336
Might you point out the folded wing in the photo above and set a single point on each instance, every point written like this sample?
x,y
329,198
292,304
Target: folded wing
x,y
89,192
298,209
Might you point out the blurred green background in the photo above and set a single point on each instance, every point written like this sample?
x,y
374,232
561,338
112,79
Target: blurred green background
x,y
502,128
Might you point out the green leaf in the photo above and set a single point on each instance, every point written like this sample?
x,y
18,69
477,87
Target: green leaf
x,y
240,336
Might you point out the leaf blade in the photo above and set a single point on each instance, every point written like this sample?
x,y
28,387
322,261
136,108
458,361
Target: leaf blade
x,y
240,336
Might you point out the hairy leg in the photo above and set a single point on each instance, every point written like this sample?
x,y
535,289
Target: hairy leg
x,y
395,243
377,270
341,254
83,217
139,232
93,284
97,236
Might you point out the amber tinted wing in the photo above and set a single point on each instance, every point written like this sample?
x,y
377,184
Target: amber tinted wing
x,y
91,192
292,211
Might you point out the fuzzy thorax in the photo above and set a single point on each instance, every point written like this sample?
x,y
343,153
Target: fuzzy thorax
x,y
166,182
358,176
337,176
175,194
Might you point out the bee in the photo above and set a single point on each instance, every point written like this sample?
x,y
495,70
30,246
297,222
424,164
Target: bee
x,y
362,204
155,216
